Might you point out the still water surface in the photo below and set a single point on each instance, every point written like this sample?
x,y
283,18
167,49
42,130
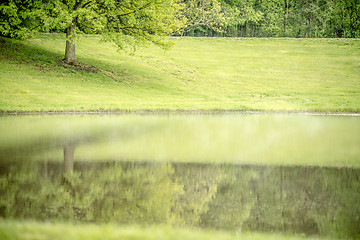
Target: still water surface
x,y
234,172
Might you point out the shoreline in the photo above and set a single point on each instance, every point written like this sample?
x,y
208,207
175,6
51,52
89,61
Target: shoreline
x,y
187,112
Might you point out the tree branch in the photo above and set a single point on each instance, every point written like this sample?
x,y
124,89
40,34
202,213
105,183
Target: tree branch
x,y
78,4
86,4
136,10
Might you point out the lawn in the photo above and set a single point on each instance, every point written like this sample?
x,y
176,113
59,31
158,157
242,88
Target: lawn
x,y
196,74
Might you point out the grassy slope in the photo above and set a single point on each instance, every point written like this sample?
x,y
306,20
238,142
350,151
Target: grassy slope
x,y
35,230
198,73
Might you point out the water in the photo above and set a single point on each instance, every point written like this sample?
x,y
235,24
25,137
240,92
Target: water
x,y
234,172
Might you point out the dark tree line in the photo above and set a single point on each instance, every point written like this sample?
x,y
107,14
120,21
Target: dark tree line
x,y
277,18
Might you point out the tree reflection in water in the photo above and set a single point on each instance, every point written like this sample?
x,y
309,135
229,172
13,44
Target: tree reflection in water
x,y
310,200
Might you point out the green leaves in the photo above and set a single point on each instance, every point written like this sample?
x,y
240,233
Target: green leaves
x,y
127,23
203,14
14,19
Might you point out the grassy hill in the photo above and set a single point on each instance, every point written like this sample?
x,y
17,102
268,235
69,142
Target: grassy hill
x,y
197,74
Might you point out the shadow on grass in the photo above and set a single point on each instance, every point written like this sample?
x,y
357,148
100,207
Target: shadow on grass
x,y
18,51
15,50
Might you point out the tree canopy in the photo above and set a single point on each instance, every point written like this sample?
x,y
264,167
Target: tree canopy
x,y
125,22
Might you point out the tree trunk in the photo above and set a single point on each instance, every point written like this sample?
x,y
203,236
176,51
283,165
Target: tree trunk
x,y
286,13
70,56
308,28
244,30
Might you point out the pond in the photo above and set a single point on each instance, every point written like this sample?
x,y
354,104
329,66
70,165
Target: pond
x,y
291,173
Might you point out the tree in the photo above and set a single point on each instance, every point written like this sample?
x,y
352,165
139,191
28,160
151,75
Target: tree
x,y
272,22
200,14
344,20
125,22
244,14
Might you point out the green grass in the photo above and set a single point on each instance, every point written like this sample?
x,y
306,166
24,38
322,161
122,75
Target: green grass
x,y
15,230
197,74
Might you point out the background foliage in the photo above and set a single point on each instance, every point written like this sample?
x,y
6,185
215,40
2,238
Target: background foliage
x,y
281,18
135,21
